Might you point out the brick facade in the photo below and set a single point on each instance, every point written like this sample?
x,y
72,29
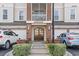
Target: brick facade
x,y
45,27
49,11
48,32
29,11
29,32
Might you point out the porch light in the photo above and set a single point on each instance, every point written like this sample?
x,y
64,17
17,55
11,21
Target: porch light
x,y
28,27
49,27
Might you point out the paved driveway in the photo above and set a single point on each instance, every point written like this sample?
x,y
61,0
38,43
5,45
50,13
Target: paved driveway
x,y
74,51
3,51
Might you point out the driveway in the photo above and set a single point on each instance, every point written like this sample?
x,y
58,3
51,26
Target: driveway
x,y
74,51
3,51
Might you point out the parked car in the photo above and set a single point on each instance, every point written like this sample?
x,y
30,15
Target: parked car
x,y
7,38
69,39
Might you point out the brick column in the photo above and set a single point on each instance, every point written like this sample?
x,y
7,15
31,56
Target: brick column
x,y
29,32
29,11
48,33
49,11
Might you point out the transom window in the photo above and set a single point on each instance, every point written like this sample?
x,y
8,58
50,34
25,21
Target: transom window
x,y
39,8
5,14
21,15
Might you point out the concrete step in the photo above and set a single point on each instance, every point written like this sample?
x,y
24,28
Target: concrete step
x,y
38,42
39,54
39,50
38,45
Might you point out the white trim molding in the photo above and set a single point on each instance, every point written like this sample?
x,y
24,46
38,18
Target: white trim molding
x,y
39,21
66,26
12,26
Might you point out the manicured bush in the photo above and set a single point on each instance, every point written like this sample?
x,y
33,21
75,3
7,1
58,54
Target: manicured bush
x,y
57,49
21,49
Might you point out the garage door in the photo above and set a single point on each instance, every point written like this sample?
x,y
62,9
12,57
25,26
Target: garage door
x,y
57,32
74,30
21,33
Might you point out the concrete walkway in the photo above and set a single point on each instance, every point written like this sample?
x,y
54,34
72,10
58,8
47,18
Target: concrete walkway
x,y
39,49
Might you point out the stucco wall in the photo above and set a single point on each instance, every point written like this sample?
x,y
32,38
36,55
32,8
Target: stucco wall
x,y
9,7
20,7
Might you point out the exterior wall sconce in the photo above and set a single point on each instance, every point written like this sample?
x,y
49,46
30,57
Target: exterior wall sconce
x,y
49,27
28,27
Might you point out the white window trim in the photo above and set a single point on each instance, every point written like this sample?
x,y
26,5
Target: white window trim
x,y
25,13
46,11
31,11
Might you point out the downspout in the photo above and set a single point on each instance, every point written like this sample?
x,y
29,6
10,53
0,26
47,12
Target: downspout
x,y
53,23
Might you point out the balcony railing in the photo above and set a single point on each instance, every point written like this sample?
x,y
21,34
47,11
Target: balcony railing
x,y
38,16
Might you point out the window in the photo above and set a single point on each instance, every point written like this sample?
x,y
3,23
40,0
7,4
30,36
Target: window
x,y
63,35
14,34
0,32
21,16
56,15
38,11
5,14
8,33
72,14
39,8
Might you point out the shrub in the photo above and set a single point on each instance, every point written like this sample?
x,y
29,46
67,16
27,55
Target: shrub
x,y
21,49
57,49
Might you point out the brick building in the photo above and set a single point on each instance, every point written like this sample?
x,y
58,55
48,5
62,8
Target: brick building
x,y
32,21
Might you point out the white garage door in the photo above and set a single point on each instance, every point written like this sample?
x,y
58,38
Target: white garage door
x,y
74,30
21,33
57,32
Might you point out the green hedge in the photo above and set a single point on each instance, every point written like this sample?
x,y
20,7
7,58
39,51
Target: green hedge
x,y
21,49
57,49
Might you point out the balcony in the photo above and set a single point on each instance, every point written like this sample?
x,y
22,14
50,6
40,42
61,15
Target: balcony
x,y
38,16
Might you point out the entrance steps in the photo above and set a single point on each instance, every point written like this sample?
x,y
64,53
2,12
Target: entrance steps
x,y
39,54
39,49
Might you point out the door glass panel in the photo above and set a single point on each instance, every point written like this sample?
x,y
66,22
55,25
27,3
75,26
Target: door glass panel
x,y
39,34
